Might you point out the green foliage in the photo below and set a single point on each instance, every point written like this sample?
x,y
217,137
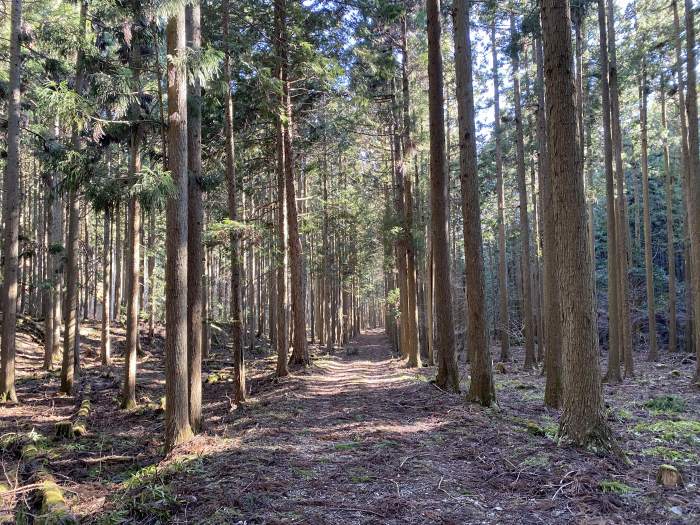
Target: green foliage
x,y
670,454
666,404
614,487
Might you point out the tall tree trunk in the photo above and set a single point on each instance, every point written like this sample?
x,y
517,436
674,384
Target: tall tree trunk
x,y
648,261
195,221
235,240
622,228
281,335
481,388
116,311
177,423
582,419
614,335
132,274
693,200
551,301
71,331
685,162
11,211
300,353
503,318
670,237
106,338
448,375
408,149
530,358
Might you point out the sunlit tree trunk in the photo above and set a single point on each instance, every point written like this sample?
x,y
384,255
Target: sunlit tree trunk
x,y
177,423
195,220
693,200
481,388
11,211
582,419
71,330
448,375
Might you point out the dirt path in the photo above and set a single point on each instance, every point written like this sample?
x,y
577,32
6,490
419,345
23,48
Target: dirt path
x,y
357,438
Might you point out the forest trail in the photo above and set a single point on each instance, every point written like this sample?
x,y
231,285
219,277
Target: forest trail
x,y
356,438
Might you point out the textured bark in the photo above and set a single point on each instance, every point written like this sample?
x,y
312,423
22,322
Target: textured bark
x,y
132,273
71,331
582,419
448,375
530,358
132,284
693,200
685,163
670,236
408,151
653,354
282,336
625,331
503,318
614,340
550,283
235,252
106,338
177,423
300,352
195,222
481,387
116,311
11,212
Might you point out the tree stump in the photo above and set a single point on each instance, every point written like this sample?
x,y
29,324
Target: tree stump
x,y
669,476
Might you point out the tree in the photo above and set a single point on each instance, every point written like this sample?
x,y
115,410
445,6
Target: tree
x,y
693,174
614,337
582,419
530,358
236,315
503,317
653,354
447,376
177,423
11,211
481,388
195,219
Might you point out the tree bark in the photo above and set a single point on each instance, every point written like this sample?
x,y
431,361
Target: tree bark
x,y
503,317
693,200
670,236
11,211
195,221
448,375
653,354
614,335
582,419
106,338
530,358
481,388
177,423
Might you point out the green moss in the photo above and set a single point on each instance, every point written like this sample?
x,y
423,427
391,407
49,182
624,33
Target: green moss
x,y
346,446
538,460
666,404
614,487
669,454
683,430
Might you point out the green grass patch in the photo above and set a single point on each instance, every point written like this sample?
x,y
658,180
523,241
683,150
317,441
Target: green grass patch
x,y
666,404
347,446
614,487
669,454
683,430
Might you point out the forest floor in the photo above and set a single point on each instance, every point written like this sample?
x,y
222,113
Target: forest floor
x,y
356,438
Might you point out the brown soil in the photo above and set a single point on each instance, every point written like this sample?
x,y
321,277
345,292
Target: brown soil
x,y
356,438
